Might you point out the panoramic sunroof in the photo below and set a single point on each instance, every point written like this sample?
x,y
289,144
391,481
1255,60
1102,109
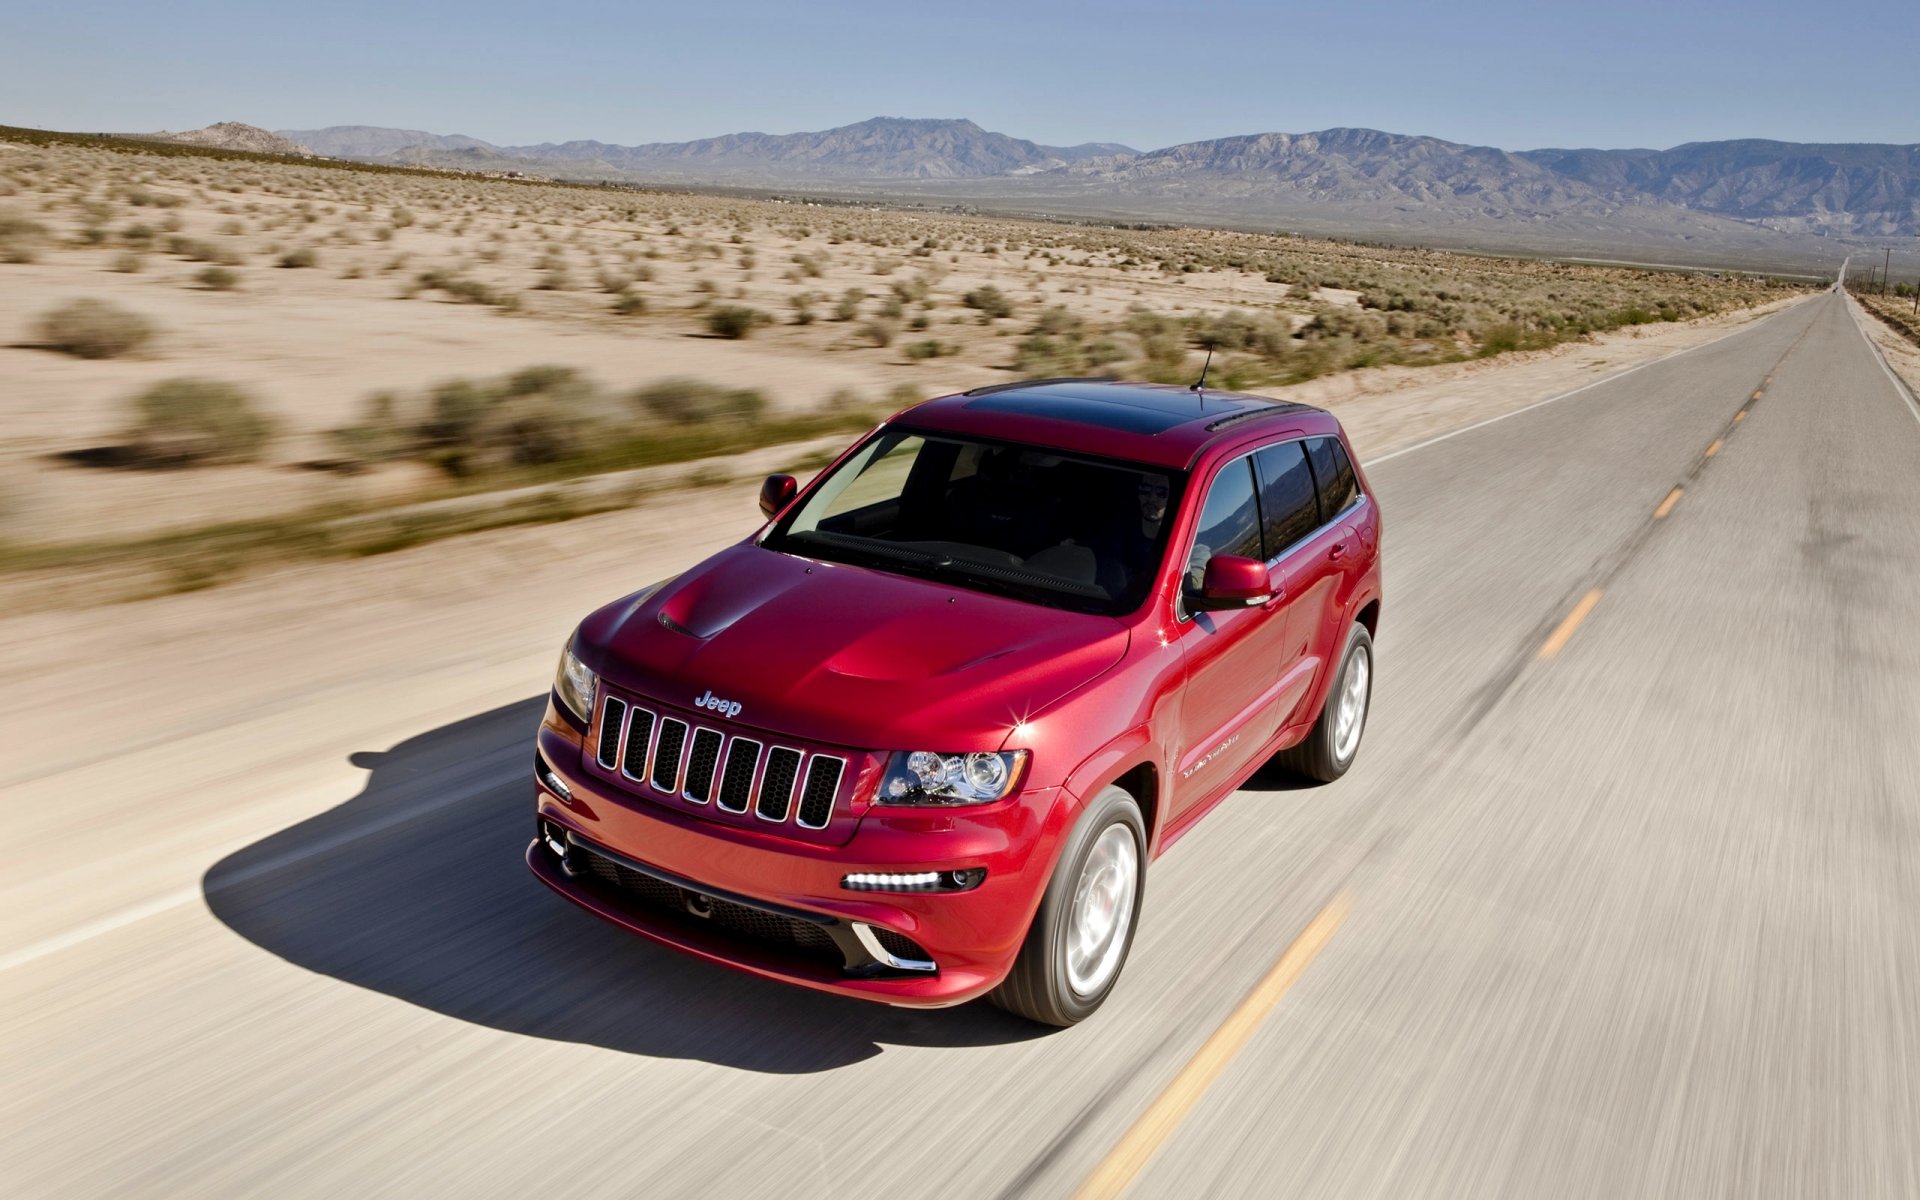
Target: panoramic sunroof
x,y
1127,409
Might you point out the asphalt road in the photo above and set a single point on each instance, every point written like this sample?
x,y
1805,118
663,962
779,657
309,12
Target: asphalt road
x,y
1622,899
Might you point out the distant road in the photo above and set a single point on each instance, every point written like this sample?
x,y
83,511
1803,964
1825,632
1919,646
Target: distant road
x,y
1622,899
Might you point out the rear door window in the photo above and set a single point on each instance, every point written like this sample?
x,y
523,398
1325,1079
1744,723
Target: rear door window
x,y
1289,508
1339,490
1230,522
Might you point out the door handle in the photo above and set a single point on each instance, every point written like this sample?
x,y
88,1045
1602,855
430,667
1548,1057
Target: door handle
x,y
1339,549
1274,601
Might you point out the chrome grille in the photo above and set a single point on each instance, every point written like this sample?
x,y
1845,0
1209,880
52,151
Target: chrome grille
x,y
702,765
776,788
736,778
612,713
666,756
639,736
816,798
702,760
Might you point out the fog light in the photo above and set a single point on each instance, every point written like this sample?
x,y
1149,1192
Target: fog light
x,y
915,881
549,780
555,838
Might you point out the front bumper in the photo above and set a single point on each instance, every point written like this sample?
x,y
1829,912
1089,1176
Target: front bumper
x,y
628,856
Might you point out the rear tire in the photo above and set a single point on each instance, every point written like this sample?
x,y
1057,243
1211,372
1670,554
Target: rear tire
x,y
1334,743
1066,968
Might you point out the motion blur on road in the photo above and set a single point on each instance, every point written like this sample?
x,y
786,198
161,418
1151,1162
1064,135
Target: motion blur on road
x,y
1621,899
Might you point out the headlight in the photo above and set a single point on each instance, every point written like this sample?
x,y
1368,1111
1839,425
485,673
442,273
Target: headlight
x,y
575,685
927,777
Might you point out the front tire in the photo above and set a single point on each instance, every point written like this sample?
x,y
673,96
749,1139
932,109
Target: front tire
x,y
1081,935
1334,743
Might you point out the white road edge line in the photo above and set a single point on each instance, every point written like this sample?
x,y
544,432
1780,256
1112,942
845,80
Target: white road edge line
x,y
181,897
1900,387
101,926
1617,375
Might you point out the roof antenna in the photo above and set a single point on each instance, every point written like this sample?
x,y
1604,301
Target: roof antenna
x,y
1202,381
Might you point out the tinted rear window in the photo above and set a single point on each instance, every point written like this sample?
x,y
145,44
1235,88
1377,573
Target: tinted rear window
x,y
1334,473
1289,510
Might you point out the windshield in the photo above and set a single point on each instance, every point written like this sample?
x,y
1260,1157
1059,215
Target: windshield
x,y
1021,521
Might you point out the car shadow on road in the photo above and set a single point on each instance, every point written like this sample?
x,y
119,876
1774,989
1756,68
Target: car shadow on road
x,y
417,888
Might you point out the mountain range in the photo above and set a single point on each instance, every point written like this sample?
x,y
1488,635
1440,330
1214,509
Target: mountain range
x,y
1691,202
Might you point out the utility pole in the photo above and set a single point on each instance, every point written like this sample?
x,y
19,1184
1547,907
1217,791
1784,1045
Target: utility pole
x,y
1885,265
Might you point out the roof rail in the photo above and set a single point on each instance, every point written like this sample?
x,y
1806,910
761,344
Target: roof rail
x,y
1264,410
991,388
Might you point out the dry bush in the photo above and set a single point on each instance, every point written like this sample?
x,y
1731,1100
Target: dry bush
x,y
192,422
736,321
94,329
682,401
218,279
21,240
847,307
989,301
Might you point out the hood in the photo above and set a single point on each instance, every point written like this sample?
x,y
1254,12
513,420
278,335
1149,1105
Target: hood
x,y
845,655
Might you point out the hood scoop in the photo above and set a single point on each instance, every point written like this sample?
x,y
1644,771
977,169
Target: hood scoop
x,y
713,602
667,622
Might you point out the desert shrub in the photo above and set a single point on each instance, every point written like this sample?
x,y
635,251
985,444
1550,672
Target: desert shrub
x,y
382,434
989,301
802,303
877,333
219,279
302,256
21,240
191,422
847,307
929,349
630,304
94,329
1041,355
736,321
534,416
682,401
129,262
1235,330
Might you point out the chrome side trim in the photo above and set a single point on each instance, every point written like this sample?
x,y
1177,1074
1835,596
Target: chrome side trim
x,y
871,945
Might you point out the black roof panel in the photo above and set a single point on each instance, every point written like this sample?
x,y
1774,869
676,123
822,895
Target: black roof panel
x,y
1130,408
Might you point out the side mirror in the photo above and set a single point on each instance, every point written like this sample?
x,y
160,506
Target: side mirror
x,y
776,493
1232,582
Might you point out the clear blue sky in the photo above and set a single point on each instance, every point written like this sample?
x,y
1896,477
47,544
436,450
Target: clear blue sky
x,y
1497,72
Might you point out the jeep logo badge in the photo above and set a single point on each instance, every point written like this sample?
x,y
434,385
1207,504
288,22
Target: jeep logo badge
x,y
726,708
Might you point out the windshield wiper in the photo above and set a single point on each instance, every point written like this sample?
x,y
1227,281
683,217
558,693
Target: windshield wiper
x,y
1033,584
872,548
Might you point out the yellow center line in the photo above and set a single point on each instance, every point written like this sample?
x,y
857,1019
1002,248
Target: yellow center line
x,y
1741,415
1666,506
1557,641
1715,448
1756,395
1131,1154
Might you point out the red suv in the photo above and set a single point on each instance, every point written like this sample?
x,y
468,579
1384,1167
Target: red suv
x,y
916,739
